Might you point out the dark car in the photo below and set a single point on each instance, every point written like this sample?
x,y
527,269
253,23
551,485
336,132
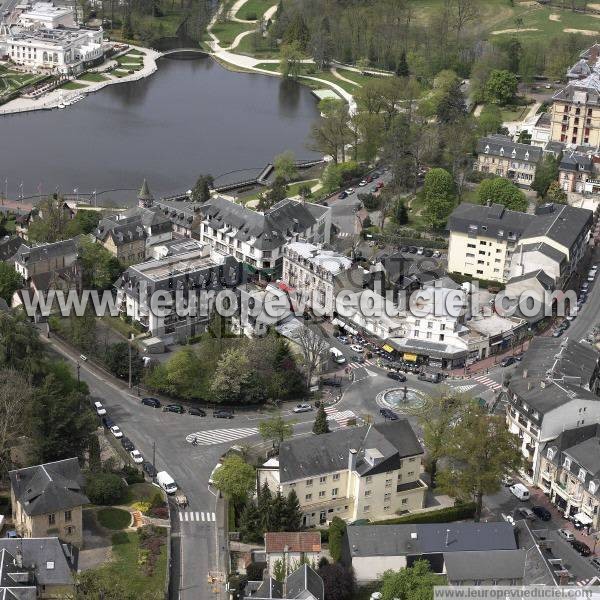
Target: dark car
x,y
519,357
369,178
174,408
507,361
412,249
428,252
404,249
580,547
107,422
397,376
332,381
542,513
196,412
343,195
149,468
127,444
222,414
153,402
386,413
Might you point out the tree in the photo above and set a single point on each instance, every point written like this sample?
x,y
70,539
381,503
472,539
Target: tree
x,y
98,584
10,282
105,488
275,430
127,29
480,450
49,221
297,32
251,523
94,462
290,60
451,105
84,222
556,194
232,373
400,213
501,191
236,479
331,133
314,349
100,269
263,501
20,346
411,583
490,120
339,582
402,69
500,87
545,173
285,166
201,190
514,51
438,197
82,330
321,426
116,358
292,518
337,528
276,193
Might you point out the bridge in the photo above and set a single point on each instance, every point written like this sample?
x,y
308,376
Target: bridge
x,y
181,50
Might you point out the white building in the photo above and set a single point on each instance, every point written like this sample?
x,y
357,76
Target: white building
x,y
45,14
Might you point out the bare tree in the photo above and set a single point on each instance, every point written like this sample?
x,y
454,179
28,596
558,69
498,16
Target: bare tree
x,y
315,350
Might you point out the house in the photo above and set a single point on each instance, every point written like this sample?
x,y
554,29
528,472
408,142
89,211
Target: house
x,y
570,473
185,217
292,548
47,501
302,584
576,173
488,242
35,568
257,239
467,553
554,388
370,472
9,246
499,155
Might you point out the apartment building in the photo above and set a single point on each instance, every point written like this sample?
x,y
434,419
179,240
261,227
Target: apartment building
x,y
554,388
257,239
371,472
499,155
47,501
570,473
124,238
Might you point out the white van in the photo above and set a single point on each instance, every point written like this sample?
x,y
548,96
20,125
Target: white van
x,y
520,491
166,482
337,356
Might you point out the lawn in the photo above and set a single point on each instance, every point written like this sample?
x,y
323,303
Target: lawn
x,y
113,518
94,77
514,113
254,9
356,77
73,85
274,67
294,188
10,81
139,492
227,32
121,326
119,73
135,51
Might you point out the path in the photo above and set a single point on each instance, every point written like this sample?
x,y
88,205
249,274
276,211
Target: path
x,y
362,71
234,11
532,111
238,39
337,74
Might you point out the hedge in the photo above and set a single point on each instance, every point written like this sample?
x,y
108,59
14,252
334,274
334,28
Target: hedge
x,y
443,515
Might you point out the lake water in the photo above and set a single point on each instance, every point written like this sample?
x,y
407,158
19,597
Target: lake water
x,y
190,117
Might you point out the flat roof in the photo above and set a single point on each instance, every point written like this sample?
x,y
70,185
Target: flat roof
x,y
157,270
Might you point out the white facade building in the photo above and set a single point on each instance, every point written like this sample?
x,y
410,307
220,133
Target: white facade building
x,y
45,14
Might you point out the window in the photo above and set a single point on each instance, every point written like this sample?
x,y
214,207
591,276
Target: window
x,y
335,476
404,501
309,482
368,479
412,459
323,479
334,492
308,497
322,494
388,483
67,515
367,493
387,496
411,473
366,508
386,507
51,519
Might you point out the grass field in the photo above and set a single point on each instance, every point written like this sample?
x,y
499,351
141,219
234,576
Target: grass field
x,y
514,113
11,81
113,518
254,7
93,77
248,46
356,77
119,73
73,85
139,492
227,32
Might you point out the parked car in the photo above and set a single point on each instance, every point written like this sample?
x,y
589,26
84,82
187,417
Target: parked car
x,y
149,468
580,547
379,185
196,412
428,252
507,361
369,178
420,250
520,491
519,357
300,408
404,249
153,402
566,534
116,431
430,377
507,480
100,410
437,254
386,413
137,457
397,376
343,194
412,249
356,348
557,333
174,408
107,422
127,443
350,191
541,512
527,513
222,414
332,381
362,183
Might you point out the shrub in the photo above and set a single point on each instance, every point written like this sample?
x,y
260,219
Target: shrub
x,y
105,488
143,507
113,518
132,475
336,532
157,500
443,515
254,571
160,512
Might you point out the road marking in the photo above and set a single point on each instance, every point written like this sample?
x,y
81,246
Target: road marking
x,y
464,388
180,516
490,383
185,516
203,516
214,517
196,516
220,436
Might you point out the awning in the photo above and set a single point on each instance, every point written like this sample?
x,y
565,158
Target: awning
x,y
337,322
348,328
583,518
410,357
387,348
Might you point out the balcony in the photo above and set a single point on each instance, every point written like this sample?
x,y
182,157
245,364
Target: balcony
x,y
522,421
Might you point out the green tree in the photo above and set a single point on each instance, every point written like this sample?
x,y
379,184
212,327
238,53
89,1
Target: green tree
x,y
236,479
82,330
400,213
438,197
339,582
556,194
251,524
304,191
321,426
411,583
20,346
280,569
105,488
297,32
231,375
100,584
100,269
337,528
285,166
278,512
292,518
276,193
500,87
94,462
49,221
501,191
490,120
275,430
545,173
10,282
480,450
290,60
331,133
201,190
402,69
127,29
451,105
263,501
514,51
116,357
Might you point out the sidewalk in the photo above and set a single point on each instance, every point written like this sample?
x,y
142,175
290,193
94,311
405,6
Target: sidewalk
x,y
483,366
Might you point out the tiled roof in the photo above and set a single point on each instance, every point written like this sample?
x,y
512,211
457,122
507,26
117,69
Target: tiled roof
x,y
293,541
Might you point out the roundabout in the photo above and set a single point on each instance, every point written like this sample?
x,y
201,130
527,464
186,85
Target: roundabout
x,y
402,400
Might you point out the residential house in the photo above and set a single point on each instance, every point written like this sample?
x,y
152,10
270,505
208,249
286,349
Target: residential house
x,y
370,472
292,549
555,387
261,307
47,501
257,239
570,473
467,553
185,217
576,173
499,155
302,584
36,569
9,246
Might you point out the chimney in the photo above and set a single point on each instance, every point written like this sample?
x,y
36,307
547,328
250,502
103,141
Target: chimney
x,y
19,558
352,460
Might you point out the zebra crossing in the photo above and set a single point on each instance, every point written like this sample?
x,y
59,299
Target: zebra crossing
x,y
461,389
220,436
490,383
357,365
343,234
191,516
340,417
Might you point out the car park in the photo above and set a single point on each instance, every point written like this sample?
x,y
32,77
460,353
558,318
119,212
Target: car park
x,y
580,547
137,457
300,408
100,410
541,512
507,361
196,412
174,408
397,376
566,534
149,468
153,402
116,431
127,443
387,413
222,414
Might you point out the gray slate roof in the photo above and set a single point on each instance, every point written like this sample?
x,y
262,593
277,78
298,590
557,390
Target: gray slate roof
x,y
9,247
576,161
559,222
503,146
302,458
303,583
49,488
545,249
491,564
123,231
429,538
540,275
45,251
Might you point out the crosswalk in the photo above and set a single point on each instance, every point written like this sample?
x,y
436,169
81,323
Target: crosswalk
x,y
220,436
461,389
341,417
343,234
357,365
190,516
490,383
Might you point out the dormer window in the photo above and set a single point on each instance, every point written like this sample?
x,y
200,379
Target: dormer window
x,y
527,155
592,487
514,153
567,463
581,475
501,151
487,149
550,453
